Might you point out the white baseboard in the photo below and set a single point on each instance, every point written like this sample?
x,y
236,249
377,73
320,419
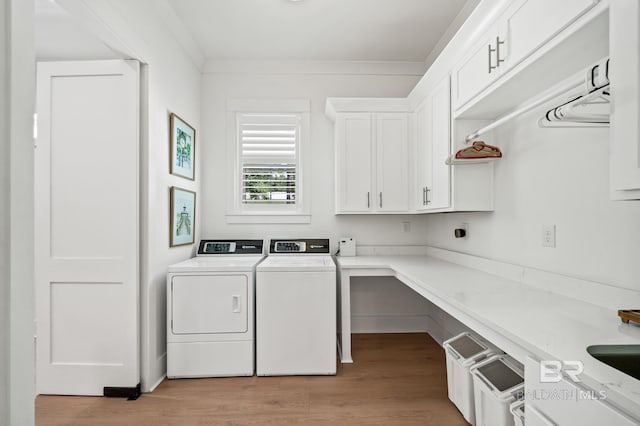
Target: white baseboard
x,y
158,375
389,324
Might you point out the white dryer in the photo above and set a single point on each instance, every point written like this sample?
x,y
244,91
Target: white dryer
x,y
296,309
210,310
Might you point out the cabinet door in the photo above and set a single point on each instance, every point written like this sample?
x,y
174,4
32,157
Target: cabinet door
x,y
424,149
392,159
354,163
624,148
476,70
433,133
438,194
528,24
535,417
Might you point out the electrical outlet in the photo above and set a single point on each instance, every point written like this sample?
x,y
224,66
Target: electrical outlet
x,y
549,236
406,226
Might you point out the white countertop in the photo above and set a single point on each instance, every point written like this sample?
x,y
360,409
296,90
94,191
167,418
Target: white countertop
x,y
544,324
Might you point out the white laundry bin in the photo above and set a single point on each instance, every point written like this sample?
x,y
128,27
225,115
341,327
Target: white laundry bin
x,y
517,410
498,381
462,352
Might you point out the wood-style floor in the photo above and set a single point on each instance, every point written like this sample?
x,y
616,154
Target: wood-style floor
x,y
397,379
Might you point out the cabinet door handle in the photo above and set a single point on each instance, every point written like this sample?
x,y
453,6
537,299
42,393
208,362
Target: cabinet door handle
x,y
498,60
368,199
491,67
427,195
381,200
424,196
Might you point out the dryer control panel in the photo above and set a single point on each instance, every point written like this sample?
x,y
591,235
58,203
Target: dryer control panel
x,y
235,247
299,246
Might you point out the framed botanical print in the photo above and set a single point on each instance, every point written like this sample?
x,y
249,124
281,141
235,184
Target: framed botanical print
x,y
183,217
183,148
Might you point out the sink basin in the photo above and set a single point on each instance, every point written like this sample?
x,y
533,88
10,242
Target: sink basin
x,y
625,358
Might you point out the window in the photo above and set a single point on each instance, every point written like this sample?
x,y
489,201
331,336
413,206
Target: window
x,y
269,159
269,143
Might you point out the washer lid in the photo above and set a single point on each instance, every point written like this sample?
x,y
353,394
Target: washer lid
x,y
299,263
217,264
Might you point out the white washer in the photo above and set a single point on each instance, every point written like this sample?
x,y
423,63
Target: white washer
x,y
296,309
210,310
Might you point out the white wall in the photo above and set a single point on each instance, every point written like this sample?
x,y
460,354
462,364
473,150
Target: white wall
x,y
219,87
552,176
173,86
5,257
303,82
16,223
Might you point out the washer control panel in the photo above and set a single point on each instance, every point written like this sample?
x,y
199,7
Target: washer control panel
x,y
236,247
301,246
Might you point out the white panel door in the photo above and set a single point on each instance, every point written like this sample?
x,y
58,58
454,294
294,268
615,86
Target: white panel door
x,y
392,157
86,226
354,163
209,304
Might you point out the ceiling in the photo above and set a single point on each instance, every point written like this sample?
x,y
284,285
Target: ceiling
x,y
304,30
322,30
58,35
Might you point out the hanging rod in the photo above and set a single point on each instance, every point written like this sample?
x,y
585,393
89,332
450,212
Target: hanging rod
x,y
592,77
499,122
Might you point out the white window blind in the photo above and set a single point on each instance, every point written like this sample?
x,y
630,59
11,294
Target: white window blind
x,y
269,159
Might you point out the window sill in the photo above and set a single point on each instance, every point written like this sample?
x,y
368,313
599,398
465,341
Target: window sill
x,y
291,218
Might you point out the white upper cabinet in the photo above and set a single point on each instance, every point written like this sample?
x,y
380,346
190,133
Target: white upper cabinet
x,y
433,139
392,161
478,68
524,27
527,24
372,163
625,95
354,163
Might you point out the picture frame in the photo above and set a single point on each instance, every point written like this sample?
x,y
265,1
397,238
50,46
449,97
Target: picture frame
x,y
182,155
182,213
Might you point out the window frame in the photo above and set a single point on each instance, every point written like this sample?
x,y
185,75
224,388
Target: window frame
x,y
239,212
